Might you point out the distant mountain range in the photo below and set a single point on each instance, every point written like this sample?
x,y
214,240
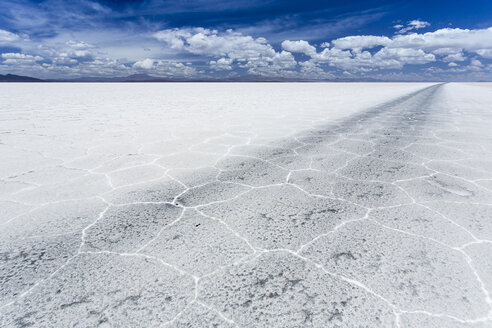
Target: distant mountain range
x,y
149,78
18,78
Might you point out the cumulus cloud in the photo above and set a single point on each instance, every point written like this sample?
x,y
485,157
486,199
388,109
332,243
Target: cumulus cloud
x,y
164,68
366,52
223,64
454,57
357,53
254,54
19,59
475,62
485,53
404,55
209,42
300,46
147,63
230,52
454,38
6,36
361,42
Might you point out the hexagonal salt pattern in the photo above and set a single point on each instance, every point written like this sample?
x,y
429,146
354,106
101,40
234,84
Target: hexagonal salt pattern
x,y
419,220
282,216
198,315
126,228
411,272
104,290
294,217
198,244
278,289
23,263
417,320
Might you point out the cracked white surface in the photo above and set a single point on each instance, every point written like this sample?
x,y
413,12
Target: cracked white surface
x,y
246,205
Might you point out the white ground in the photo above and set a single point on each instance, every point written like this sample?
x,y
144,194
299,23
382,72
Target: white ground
x,y
251,205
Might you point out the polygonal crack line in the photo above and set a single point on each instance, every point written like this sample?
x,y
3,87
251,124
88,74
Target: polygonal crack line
x,y
88,172
460,177
176,203
463,179
396,310
29,186
37,283
325,197
484,187
83,232
150,257
467,258
180,216
164,175
353,282
405,191
39,205
35,152
342,224
450,220
347,163
430,159
34,208
394,182
107,174
488,298
220,314
228,228
252,157
176,180
180,313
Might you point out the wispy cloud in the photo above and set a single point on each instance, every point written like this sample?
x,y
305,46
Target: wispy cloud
x,y
412,25
309,39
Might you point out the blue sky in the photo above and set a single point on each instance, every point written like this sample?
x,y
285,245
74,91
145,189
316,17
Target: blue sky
x,y
390,40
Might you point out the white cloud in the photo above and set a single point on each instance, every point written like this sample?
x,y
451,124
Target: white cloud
x,y
404,55
164,68
358,53
475,62
79,44
418,24
361,42
208,51
6,36
447,45
485,53
147,63
19,59
470,40
300,46
412,25
459,56
254,54
12,55
208,42
223,64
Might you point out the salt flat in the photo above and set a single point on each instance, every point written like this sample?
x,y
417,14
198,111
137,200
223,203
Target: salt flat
x,y
249,205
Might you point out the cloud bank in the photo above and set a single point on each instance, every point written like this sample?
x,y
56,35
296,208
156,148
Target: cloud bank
x,y
203,52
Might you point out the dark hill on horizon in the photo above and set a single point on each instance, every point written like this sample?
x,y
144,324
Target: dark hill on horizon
x,y
149,78
18,78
